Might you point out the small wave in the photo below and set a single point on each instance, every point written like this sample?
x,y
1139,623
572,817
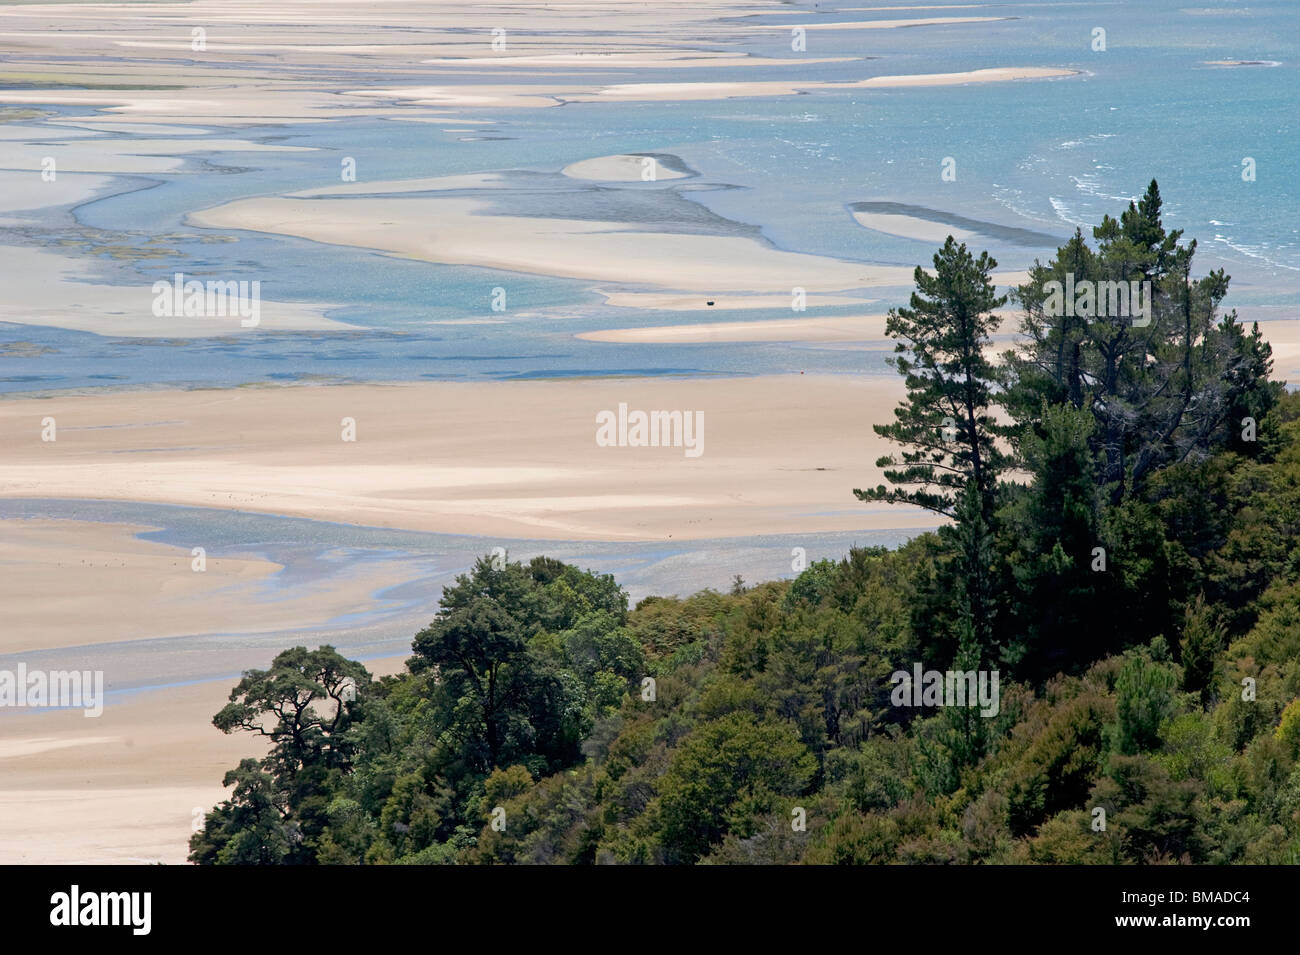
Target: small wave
x,y
1090,186
816,150
1065,213
1090,138
1261,253
1014,200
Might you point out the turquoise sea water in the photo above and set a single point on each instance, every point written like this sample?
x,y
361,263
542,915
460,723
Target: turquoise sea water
x,y
1042,156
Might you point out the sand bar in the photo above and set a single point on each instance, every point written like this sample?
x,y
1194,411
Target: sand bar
x,y
635,167
807,328
673,302
910,227
55,294
460,231
513,459
76,583
853,328
880,24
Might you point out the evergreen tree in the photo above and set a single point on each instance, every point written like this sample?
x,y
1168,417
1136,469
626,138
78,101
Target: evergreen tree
x,y
1202,644
1166,379
944,422
1056,566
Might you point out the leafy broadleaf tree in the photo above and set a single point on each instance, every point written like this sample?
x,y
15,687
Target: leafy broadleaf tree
x,y
498,647
725,774
250,827
305,705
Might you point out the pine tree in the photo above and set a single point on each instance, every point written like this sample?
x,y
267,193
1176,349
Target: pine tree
x,y
944,421
1059,607
1165,382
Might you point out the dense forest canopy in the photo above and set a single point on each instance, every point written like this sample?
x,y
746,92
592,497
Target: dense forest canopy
x,y
1124,491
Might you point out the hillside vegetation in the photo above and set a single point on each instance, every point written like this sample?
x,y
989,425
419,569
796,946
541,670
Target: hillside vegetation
x,y
1122,551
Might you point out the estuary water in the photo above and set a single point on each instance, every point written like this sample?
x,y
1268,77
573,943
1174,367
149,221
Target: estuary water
x,y
1033,161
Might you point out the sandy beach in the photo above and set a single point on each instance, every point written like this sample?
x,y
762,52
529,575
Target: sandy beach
x,y
125,788
516,459
219,114
79,583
